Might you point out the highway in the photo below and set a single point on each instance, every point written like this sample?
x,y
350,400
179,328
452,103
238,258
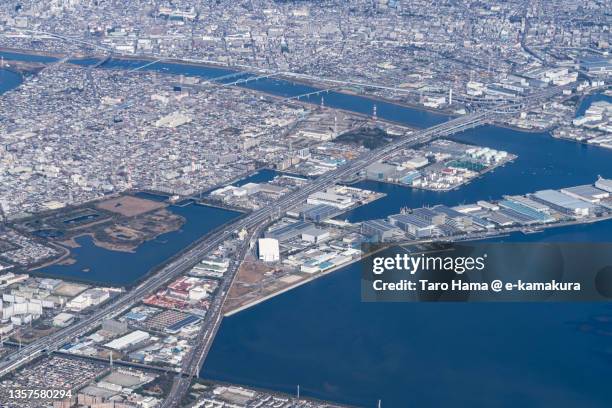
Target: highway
x,y
208,329
193,362
251,222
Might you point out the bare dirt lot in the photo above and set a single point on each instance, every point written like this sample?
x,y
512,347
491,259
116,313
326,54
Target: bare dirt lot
x,y
130,206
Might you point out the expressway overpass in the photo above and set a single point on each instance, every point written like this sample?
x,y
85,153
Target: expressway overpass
x,y
208,330
193,362
192,256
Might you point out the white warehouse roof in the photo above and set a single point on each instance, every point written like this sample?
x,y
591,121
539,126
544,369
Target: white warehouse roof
x,y
134,337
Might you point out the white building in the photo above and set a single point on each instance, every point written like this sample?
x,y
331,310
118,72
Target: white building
x,y
10,278
63,320
90,297
268,249
330,198
604,184
315,235
129,340
415,163
6,328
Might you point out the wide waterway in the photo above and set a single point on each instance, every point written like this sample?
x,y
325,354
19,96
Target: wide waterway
x,y
324,338
9,80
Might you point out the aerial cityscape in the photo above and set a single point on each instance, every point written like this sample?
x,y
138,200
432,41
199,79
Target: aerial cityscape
x,y
191,191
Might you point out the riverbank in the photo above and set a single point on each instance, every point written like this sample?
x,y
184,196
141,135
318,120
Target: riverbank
x,y
508,160
295,285
320,85
499,233
364,352
22,67
582,142
9,80
26,53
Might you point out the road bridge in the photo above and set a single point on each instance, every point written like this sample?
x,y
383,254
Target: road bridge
x,y
306,95
193,363
251,78
148,64
191,257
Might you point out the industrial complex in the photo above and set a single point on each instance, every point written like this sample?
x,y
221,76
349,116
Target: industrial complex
x,y
167,164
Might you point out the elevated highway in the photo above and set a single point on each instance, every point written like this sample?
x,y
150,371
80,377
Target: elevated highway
x,y
193,363
251,222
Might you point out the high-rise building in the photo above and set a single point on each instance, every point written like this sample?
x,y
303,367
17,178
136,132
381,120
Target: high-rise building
x,y
268,249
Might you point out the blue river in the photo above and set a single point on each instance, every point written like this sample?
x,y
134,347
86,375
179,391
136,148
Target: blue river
x,y
322,337
388,111
9,80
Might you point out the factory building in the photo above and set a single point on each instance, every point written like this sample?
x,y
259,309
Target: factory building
x,y
380,171
378,230
288,231
10,278
487,205
6,328
564,203
410,177
315,235
63,320
319,213
415,162
430,216
482,223
90,297
331,199
412,224
500,219
604,184
215,263
527,202
597,66
453,218
519,214
268,249
115,326
532,216
20,310
178,326
129,340
211,267
586,193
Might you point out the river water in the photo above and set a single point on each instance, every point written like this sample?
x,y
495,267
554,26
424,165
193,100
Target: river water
x,y
9,80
